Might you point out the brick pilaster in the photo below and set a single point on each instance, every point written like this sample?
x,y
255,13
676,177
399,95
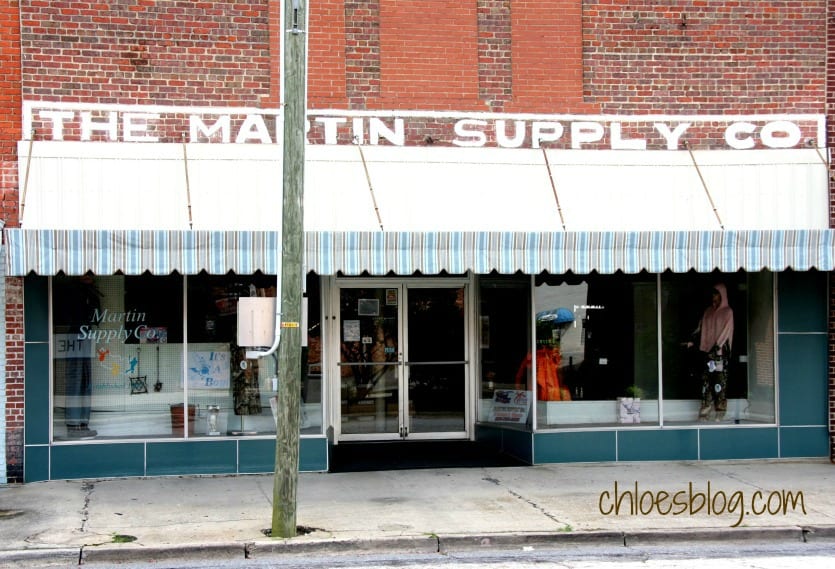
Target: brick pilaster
x,y
495,64
14,379
362,52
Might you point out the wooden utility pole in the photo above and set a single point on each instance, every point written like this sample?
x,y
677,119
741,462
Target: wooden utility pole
x,y
292,248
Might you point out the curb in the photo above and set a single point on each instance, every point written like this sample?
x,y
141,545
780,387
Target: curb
x,y
449,544
35,557
406,545
417,545
129,552
714,535
818,533
638,538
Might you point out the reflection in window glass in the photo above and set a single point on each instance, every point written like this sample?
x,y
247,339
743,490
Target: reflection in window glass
x,y
228,394
117,356
122,367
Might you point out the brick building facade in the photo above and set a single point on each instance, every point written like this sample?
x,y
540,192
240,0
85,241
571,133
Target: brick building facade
x,y
434,61
11,381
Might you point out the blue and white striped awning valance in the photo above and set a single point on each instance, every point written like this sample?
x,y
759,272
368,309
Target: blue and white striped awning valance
x,y
581,252
160,252
48,252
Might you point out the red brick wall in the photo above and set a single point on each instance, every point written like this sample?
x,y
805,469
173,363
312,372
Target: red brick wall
x,y
543,56
548,56
10,113
145,51
328,39
428,53
495,67
362,54
704,56
274,17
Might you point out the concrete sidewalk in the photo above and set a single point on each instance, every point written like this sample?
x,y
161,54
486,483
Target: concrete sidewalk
x,y
419,511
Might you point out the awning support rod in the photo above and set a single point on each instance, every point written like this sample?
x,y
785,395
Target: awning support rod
x,y
704,185
823,159
553,188
188,185
370,187
26,178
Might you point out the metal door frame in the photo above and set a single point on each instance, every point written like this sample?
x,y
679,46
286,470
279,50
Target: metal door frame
x,y
403,285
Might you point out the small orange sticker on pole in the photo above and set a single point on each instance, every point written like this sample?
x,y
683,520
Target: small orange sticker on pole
x,y
289,324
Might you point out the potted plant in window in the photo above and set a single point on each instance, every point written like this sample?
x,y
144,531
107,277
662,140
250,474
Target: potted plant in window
x,y
629,406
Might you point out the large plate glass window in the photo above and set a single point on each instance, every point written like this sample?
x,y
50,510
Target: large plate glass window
x,y
117,349
595,355
718,346
503,332
156,357
227,393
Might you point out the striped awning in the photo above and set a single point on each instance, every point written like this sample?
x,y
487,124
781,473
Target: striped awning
x,y
159,252
75,252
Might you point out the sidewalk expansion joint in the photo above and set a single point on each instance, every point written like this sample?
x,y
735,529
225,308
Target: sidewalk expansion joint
x,y
87,488
531,503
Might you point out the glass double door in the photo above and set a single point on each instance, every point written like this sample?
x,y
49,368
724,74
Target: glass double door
x,y
403,362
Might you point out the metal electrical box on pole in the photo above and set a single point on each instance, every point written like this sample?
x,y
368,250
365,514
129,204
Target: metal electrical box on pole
x,y
292,249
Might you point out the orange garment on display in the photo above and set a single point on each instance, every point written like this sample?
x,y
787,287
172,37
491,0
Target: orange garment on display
x,y
548,386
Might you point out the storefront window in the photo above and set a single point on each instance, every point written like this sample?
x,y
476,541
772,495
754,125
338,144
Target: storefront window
x,y
597,356
311,397
503,335
718,346
596,350
117,356
223,385
125,366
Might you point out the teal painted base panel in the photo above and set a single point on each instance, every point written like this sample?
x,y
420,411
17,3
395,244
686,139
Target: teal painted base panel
x,y
258,456
668,444
512,442
803,378
730,444
595,446
97,461
313,455
35,463
804,442
164,458
187,457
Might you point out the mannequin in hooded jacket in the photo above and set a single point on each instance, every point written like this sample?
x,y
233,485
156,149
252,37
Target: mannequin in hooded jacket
x,y
714,337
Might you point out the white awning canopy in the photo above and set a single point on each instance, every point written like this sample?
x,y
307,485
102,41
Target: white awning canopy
x,y
237,187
